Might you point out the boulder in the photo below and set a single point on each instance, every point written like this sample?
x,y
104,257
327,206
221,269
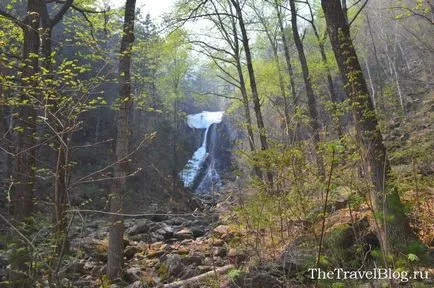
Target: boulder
x,y
133,274
165,231
174,265
184,233
130,251
195,259
175,221
220,251
222,230
236,256
95,248
140,228
198,231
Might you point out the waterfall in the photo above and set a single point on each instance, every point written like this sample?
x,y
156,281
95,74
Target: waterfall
x,y
192,169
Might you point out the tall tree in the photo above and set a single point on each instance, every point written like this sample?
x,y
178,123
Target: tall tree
x,y
26,152
24,174
331,86
289,68
60,175
394,230
116,230
272,35
311,101
255,95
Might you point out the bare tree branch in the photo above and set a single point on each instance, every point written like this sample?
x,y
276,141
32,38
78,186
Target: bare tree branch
x,y
13,19
358,13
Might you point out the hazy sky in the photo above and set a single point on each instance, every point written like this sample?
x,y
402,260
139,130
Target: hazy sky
x,y
154,7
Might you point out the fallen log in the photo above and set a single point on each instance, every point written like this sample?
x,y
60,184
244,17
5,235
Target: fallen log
x,y
200,277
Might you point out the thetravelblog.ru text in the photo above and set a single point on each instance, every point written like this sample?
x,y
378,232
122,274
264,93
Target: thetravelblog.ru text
x,y
374,274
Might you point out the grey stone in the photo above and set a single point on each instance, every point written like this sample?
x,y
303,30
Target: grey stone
x,y
139,228
174,265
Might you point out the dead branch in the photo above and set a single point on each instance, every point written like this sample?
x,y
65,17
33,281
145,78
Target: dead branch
x,y
200,277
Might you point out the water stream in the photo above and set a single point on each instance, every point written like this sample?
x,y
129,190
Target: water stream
x,y
192,170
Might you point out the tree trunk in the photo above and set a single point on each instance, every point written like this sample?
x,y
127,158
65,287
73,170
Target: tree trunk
x,y
311,101
243,89
253,87
288,66
331,87
4,158
273,43
175,144
24,174
26,121
116,230
396,230
60,179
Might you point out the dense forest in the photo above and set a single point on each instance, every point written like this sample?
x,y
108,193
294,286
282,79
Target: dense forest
x,y
223,143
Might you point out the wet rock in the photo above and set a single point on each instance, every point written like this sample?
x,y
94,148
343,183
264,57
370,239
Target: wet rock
x,y
155,237
175,221
130,251
213,262
174,265
184,233
236,257
195,259
133,274
165,231
198,231
222,231
95,248
139,228
220,251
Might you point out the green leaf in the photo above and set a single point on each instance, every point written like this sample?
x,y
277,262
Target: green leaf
x,y
412,257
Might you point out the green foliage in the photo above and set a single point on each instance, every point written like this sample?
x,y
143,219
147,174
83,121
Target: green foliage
x,y
234,273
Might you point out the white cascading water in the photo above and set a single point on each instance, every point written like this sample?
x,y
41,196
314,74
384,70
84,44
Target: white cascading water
x,y
202,120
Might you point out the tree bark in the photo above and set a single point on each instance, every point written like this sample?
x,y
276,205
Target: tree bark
x,y
253,87
395,231
243,89
26,150
116,230
24,174
311,101
289,68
